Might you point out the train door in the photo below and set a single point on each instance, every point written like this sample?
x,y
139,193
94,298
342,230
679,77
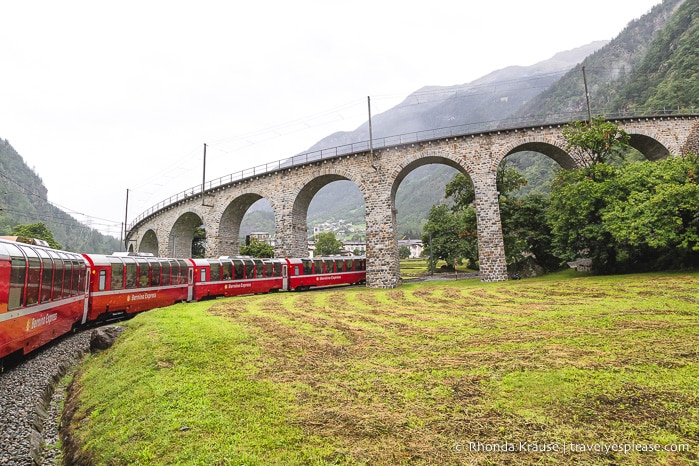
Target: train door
x,y
190,283
285,277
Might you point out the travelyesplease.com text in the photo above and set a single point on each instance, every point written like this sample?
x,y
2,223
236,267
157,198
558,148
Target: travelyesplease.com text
x,y
567,447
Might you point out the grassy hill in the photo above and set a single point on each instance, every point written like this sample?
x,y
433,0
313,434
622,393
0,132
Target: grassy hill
x,y
419,375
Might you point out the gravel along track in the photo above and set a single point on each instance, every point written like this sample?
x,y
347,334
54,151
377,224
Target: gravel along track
x,y
30,402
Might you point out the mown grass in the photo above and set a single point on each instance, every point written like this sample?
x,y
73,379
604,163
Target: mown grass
x,y
405,376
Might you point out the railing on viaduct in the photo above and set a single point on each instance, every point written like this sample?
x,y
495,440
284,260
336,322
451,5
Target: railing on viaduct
x,y
391,141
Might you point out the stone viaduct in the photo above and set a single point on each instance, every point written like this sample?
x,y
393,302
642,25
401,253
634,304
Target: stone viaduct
x,y
168,228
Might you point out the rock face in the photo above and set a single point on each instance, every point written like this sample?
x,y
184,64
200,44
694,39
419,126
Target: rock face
x,y
104,337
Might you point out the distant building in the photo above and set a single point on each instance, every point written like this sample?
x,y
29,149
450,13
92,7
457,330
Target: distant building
x,y
349,248
415,246
262,236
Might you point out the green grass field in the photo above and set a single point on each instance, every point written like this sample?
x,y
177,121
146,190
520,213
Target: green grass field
x,y
431,373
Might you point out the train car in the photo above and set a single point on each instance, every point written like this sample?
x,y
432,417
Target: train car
x,y
233,276
123,284
325,271
43,295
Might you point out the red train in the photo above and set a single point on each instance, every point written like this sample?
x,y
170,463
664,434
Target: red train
x,y
45,293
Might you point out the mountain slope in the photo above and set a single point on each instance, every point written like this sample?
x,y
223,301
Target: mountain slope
x,y
608,71
23,200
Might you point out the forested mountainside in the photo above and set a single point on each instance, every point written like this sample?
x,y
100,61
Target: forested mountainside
x,y
23,200
630,65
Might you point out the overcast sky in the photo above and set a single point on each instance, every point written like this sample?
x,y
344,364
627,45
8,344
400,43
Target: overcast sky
x,y
100,97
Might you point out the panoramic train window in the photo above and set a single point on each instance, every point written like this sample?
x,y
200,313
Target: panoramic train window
x,y
67,275
33,275
307,266
131,272
277,269
215,272
259,268
18,273
317,266
57,275
269,269
155,273
249,268
143,273
79,276
183,272
165,271
329,266
239,269
46,276
227,270
117,274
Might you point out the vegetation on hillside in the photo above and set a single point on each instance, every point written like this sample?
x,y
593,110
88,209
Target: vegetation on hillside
x,y
23,200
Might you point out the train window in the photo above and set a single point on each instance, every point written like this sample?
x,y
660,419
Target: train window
x,y
103,280
78,276
174,272
269,268
165,269
307,266
18,274
183,272
57,275
33,276
239,269
117,274
131,273
277,269
215,272
202,274
227,270
249,268
259,268
83,276
67,274
329,266
143,273
155,273
317,266
46,276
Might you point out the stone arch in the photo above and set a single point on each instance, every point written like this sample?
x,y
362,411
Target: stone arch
x,y
182,233
651,148
301,200
149,243
551,148
420,158
231,219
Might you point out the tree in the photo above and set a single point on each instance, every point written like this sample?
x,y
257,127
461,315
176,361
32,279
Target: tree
x,y
404,252
199,243
596,142
38,231
257,248
327,245
578,198
451,236
641,216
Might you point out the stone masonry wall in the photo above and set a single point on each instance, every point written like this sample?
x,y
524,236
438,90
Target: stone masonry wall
x,y
291,190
